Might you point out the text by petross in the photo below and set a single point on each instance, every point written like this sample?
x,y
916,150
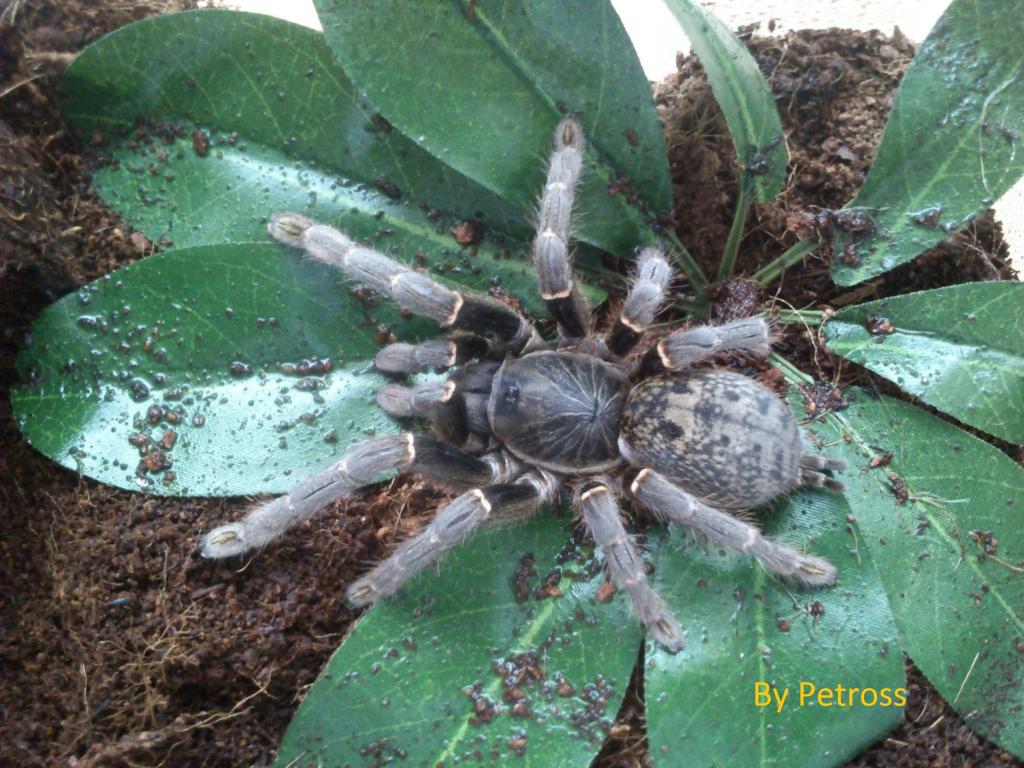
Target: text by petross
x,y
838,695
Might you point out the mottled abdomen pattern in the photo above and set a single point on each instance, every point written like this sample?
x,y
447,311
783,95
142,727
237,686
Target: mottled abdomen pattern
x,y
721,436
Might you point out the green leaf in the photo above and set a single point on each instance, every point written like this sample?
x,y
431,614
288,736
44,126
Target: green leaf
x,y
743,95
204,335
287,131
959,348
951,556
951,145
481,85
744,626
404,686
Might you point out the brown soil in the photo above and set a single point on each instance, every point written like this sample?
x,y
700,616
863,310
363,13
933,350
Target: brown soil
x,y
118,647
834,89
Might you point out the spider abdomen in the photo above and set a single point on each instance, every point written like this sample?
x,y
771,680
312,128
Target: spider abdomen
x,y
559,410
723,437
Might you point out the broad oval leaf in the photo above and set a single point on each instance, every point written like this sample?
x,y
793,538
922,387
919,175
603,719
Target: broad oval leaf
x,y
744,627
196,355
460,669
482,84
952,142
216,119
743,95
958,348
943,515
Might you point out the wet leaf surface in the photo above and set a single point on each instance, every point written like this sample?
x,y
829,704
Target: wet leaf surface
x,y
944,521
745,626
952,142
212,120
203,140
481,85
959,349
456,669
743,95
256,361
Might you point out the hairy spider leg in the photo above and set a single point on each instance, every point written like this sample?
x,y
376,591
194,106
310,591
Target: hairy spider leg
x,y
672,503
413,291
414,402
457,407
436,354
550,252
681,349
500,503
601,513
812,476
649,284
361,465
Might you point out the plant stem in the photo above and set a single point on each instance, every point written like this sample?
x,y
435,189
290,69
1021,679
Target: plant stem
x,y
791,373
691,305
792,256
809,316
687,263
732,244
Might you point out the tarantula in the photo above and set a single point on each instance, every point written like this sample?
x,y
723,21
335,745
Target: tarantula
x,y
520,419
